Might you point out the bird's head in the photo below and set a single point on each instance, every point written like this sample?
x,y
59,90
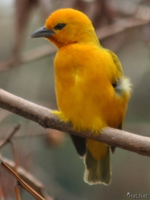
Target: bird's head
x,y
67,26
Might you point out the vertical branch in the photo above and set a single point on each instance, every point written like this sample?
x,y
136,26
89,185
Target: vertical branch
x,y
1,193
9,140
14,152
15,158
17,191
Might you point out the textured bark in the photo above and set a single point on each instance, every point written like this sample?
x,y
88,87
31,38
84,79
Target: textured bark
x,y
45,118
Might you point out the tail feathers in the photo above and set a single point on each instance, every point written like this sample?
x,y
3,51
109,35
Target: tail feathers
x,y
97,171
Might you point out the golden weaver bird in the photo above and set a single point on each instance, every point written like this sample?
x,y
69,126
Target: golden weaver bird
x,y
91,89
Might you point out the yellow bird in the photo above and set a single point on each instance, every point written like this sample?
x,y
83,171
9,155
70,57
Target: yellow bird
x,y
91,89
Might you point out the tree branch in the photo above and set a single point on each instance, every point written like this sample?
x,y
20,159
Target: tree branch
x,y
43,116
22,182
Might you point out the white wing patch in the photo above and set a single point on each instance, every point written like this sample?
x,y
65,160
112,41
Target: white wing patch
x,y
122,86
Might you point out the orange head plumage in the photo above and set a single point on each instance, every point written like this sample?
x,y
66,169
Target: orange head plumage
x,y
66,26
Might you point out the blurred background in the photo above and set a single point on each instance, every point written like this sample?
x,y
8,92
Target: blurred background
x,y
26,70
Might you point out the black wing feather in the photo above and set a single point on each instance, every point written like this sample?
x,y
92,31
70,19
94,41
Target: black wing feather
x,y
80,144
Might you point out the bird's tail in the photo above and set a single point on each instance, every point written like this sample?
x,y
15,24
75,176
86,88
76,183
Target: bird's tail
x,y
97,171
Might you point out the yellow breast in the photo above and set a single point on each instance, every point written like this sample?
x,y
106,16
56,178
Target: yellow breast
x,y
84,91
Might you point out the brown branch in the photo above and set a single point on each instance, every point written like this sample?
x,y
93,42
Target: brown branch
x,y
1,193
14,152
28,178
37,185
9,140
17,191
22,182
45,118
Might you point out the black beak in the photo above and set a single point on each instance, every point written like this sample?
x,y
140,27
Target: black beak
x,y
42,32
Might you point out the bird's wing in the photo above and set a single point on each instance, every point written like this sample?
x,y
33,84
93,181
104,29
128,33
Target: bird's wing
x,y
116,62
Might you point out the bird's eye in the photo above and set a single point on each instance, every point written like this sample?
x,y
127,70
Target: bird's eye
x,y
59,26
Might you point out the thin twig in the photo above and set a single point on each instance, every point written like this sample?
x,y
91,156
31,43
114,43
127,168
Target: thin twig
x,y
17,191
45,118
28,178
8,139
14,152
1,193
22,182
